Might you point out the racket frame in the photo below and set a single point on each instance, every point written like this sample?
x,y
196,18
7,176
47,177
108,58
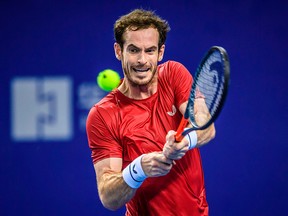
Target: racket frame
x,y
180,133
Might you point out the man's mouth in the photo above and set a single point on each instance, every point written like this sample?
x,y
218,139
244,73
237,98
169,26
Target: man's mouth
x,y
141,70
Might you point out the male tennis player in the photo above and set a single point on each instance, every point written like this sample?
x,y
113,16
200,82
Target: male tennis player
x,y
131,130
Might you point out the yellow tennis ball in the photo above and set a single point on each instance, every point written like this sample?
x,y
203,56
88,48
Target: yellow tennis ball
x,y
108,80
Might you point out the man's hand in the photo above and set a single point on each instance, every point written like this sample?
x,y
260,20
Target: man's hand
x,y
156,164
174,150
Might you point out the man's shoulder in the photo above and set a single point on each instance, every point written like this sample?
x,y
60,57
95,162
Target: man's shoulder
x,y
169,64
106,103
170,68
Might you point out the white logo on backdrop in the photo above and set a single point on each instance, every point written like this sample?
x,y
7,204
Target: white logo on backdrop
x,y
41,109
88,94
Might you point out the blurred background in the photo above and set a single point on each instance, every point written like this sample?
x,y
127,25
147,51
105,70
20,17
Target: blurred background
x,y
51,53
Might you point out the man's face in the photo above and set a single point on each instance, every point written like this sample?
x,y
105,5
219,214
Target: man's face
x,y
140,55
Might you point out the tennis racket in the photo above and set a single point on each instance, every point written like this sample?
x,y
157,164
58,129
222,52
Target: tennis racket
x,y
210,83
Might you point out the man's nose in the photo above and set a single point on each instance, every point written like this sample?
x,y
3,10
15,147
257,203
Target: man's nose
x,y
142,58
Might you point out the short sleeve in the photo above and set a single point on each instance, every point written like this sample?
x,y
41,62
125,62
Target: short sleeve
x,y
102,135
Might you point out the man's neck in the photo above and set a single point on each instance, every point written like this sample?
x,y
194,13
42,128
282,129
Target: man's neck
x,y
137,92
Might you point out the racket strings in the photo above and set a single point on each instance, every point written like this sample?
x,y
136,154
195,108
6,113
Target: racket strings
x,y
210,81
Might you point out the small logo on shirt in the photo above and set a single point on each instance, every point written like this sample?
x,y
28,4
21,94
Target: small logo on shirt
x,y
172,113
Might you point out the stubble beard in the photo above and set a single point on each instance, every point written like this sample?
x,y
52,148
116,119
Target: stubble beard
x,y
134,82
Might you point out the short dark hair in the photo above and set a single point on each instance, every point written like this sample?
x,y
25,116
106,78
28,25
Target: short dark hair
x,y
140,19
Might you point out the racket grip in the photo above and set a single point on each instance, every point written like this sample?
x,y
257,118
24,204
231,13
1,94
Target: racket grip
x,y
181,127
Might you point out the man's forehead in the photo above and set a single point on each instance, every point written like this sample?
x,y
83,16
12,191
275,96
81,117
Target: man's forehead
x,y
148,37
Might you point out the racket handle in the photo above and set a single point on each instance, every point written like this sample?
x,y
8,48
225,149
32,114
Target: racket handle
x,y
181,127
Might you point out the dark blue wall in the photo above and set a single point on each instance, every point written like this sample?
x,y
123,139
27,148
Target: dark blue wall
x,y
245,166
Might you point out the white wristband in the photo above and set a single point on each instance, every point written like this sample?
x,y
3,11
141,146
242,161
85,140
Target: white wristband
x,y
192,138
133,174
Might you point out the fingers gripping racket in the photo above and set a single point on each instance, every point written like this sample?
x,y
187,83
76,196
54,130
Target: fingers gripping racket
x,y
210,83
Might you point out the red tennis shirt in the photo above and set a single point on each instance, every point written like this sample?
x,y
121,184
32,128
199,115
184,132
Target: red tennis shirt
x,y
122,127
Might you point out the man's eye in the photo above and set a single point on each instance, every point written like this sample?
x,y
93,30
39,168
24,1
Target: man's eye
x,y
150,51
133,50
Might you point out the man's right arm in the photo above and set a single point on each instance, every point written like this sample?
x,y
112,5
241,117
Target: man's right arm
x,y
113,191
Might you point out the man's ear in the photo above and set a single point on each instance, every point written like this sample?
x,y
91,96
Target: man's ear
x,y
117,50
161,53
